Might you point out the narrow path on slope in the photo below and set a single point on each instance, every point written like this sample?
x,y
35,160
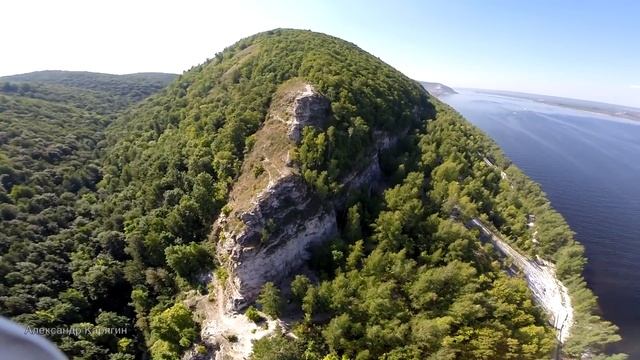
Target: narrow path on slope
x,y
540,275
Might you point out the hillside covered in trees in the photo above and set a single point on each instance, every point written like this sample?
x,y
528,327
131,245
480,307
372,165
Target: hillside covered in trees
x,y
107,208
52,131
408,280
102,93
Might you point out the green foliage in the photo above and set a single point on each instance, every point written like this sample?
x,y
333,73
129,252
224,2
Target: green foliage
x,y
188,260
233,338
269,299
470,175
277,347
163,350
58,269
168,163
353,229
253,314
172,331
100,93
299,287
422,285
100,211
423,293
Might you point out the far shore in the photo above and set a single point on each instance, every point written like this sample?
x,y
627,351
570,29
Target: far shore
x,y
614,110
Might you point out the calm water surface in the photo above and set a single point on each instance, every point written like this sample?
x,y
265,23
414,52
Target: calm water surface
x,y
589,166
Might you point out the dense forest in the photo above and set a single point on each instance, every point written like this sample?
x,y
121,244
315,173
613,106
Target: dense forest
x,y
407,279
101,93
106,207
51,140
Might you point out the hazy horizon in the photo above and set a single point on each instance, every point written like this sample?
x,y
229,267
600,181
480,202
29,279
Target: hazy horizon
x,y
419,80
549,48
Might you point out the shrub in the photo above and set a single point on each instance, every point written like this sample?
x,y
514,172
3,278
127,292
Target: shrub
x,y
253,314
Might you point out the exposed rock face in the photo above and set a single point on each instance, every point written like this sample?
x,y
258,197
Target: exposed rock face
x,y
309,109
287,219
273,218
371,174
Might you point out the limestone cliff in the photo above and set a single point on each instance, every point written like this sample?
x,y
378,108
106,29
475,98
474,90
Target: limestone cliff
x,y
272,236
309,109
273,216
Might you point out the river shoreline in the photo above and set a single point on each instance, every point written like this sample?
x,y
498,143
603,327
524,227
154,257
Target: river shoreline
x,y
548,291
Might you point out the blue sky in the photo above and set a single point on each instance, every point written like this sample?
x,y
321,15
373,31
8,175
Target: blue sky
x,y
580,49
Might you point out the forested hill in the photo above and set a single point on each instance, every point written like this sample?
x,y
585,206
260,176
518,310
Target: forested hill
x,y
103,93
51,128
124,241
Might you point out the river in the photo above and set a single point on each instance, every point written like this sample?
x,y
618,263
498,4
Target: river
x,y
589,166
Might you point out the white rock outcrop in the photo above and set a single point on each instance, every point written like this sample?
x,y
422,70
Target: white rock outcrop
x,y
275,216
309,109
286,220
267,235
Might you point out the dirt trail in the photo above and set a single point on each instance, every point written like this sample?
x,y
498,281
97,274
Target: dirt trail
x,y
540,275
547,290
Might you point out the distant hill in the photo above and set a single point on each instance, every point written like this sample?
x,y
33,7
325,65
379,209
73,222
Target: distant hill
x,y
83,88
92,80
437,89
